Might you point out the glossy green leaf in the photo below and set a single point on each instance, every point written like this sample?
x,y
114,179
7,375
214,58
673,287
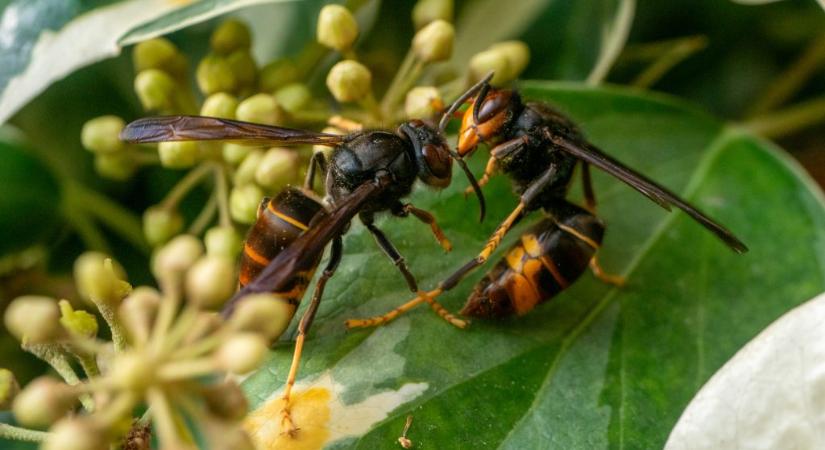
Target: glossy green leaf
x,y
43,41
29,199
597,367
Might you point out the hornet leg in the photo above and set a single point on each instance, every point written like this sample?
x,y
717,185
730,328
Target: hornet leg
x,y
425,217
303,328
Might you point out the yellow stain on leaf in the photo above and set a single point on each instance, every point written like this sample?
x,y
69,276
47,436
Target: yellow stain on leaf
x,y
321,416
310,411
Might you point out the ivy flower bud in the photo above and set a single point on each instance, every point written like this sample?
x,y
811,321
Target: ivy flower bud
x,y
246,170
102,134
211,281
243,203
177,256
337,28
220,104
231,35
243,67
349,81
293,97
277,168
132,370
517,54
138,310
434,42
241,353
9,388
423,102
226,400
159,53
266,314
426,11
42,402
115,166
33,319
155,90
260,108
76,433
490,60
214,74
223,241
160,224
77,322
178,154
276,74
235,153
100,279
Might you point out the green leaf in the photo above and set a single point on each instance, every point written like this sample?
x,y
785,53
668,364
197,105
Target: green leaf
x,y
29,199
597,367
44,41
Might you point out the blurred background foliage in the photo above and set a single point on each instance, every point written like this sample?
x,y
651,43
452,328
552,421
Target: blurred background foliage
x,y
729,58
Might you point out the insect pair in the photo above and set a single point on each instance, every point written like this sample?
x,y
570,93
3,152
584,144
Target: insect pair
x,y
371,171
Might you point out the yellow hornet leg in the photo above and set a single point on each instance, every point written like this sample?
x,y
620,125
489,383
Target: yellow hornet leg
x,y
286,417
429,219
421,298
615,280
488,172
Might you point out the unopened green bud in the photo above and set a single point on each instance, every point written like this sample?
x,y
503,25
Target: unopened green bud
x,y
423,102
155,90
220,104
77,322
337,28
102,134
9,388
34,319
490,60
266,314
434,42
234,153
293,97
42,402
138,310
214,74
349,81
426,11
211,281
115,166
231,35
177,256
244,201
226,400
76,433
178,154
132,370
246,170
241,353
260,108
517,54
223,241
277,168
243,67
276,74
160,224
159,53
100,279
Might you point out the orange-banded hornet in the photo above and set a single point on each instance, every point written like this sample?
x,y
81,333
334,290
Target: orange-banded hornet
x,y
368,172
538,148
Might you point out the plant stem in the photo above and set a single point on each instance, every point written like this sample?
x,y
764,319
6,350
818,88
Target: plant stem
x,y
54,356
792,79
118,333
85,228
120,220
222,196
676,51
205,216
789,120
21,434
189,181
400,78
613,42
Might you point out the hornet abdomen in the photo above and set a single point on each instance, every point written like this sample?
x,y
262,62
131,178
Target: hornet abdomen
x,y
280,221
548,257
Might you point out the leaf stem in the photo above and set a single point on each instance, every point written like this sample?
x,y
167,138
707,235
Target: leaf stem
x,y
119,219
222,195
788,120
676,51
21,434
189,181
399,80
614,39
205,217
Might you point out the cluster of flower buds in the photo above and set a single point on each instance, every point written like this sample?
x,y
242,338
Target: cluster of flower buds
x,y
169,354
